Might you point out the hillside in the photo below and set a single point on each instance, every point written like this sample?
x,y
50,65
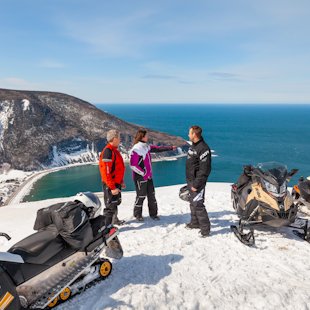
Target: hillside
x,y
47,129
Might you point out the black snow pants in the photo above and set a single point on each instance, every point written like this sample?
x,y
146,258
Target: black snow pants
x,y
199,214
145,188
111,202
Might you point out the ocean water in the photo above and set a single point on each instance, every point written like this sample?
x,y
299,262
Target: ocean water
x,y
239,135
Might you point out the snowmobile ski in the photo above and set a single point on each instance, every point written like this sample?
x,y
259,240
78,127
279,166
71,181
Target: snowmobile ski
x,y
247,239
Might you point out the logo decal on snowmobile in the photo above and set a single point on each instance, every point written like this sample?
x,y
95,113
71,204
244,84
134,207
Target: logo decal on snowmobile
x,y
6,300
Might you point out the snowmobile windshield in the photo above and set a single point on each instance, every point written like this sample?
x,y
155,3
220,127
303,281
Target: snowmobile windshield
x,y
275,170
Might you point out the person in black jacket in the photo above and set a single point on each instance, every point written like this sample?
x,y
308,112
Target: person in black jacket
x,y
198,168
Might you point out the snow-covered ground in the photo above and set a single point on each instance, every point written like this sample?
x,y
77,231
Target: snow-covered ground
x,y
10,182
166,266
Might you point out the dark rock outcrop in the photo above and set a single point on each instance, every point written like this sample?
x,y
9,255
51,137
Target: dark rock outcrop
x,y
42,129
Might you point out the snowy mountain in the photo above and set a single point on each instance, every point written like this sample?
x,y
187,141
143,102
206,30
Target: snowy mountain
x,y
47,129
166,266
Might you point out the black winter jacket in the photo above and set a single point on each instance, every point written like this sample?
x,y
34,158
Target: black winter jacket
x,y
198,164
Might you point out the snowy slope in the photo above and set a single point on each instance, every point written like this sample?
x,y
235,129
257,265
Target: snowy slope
x,y
166,266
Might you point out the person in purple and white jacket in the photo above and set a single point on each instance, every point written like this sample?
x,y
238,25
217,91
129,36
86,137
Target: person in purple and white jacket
x,y
141,165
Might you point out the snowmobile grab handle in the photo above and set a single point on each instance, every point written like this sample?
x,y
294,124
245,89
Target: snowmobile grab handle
x,y
5,235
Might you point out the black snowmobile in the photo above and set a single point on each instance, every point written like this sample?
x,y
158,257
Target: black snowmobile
x,y
65,256
301,192
260,196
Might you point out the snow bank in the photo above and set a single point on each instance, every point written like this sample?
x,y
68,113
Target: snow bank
x,y
166,266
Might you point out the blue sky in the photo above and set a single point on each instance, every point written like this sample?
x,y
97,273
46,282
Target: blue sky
x,y
220,51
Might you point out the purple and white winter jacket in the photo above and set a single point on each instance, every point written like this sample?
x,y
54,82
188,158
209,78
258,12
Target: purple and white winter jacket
x,y
141,160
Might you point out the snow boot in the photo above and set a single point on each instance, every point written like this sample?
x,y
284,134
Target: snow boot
x,y
192,226
118,222
204,234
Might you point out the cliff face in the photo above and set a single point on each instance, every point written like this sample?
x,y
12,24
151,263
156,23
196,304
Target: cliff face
x,y
42,129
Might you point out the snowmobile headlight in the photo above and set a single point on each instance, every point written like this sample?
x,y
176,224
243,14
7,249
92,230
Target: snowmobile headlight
x,y
272,189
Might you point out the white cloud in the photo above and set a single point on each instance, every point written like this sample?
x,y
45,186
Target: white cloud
x,y
16,83
133,31
51,64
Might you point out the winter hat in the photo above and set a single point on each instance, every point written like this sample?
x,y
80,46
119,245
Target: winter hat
x,y
111,134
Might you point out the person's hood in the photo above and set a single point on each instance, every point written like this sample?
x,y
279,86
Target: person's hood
x,y
141,148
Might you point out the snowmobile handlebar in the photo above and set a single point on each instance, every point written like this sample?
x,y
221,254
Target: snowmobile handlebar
x,y
5,235
291,173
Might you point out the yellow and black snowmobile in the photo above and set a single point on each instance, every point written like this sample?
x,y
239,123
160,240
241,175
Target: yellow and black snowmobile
x,y
260,196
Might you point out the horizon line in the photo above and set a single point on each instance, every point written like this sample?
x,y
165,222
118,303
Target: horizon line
x,y
209,103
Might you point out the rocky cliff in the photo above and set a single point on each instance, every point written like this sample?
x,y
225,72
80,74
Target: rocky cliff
x,y
45,129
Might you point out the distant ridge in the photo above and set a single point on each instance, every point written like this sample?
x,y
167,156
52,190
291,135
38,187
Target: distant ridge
x,y
46,129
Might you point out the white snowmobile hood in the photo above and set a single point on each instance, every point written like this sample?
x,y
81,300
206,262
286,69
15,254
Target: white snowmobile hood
x,y
141,148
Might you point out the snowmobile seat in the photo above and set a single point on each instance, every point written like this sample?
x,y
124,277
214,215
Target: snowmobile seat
x,y
40,246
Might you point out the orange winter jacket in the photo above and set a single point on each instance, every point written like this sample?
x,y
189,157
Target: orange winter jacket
x,y
111,166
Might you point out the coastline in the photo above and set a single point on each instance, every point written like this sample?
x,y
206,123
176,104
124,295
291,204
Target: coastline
x,y
26,180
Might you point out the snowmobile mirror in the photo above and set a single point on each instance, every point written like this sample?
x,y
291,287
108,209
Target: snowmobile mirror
x,y
5,235
291,173
248,169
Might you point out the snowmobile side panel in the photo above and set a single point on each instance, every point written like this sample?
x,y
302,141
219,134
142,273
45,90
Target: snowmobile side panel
x,y
9,299
260,195
288,202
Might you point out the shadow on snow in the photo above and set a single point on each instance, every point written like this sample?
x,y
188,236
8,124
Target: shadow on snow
x,y
134,270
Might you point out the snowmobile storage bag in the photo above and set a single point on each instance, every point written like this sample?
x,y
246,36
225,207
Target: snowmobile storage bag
x,y
73,224
44,216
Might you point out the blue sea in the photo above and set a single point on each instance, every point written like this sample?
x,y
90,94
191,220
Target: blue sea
x,y
238,134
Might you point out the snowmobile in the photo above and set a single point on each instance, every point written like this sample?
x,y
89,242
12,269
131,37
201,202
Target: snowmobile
x,y
260,196
65,256
301,192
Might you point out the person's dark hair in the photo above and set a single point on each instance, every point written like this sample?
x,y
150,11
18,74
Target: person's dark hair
x,y
197,130
140,135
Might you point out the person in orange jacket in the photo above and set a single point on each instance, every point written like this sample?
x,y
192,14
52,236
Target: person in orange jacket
x,y
112,170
